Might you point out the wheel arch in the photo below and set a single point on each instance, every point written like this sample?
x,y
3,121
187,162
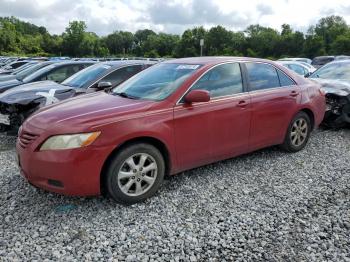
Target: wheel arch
x,y
311,115
160,145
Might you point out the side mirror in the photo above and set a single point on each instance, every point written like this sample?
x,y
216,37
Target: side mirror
x,y
197,96
104,85
307,75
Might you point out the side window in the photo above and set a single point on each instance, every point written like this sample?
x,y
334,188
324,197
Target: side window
x,y
60,74
262,76
120,75
285,80
222,80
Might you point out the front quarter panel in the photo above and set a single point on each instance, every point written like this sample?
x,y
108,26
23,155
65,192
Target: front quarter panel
x,y
156,124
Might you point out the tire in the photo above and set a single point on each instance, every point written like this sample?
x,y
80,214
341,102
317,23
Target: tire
x,y
127,180
298,133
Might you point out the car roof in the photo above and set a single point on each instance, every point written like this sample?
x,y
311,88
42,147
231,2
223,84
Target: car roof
x,y
291,63
346,61
127,62
324,57
73,63
210,60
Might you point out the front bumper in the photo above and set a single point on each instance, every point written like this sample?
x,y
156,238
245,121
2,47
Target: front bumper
x,y
73,172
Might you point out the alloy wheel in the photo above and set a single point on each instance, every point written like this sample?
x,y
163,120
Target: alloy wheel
x,y
299,132
137,174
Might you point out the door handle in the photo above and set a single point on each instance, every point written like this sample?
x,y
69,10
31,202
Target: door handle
x,y
294,93
242,103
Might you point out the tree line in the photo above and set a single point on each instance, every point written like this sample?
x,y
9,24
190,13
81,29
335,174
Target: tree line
x,y
330,36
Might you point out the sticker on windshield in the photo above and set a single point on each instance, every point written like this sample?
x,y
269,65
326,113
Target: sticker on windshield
x,y
191,67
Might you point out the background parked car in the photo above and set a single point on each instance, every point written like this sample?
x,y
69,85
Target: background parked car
x,y
26,71
298,67
17,70
56,72
342,57
20,102
320,61
297,59
8,60
335,80
9,68
174,116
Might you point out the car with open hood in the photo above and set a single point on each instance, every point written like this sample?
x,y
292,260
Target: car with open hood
x,y
57,72
18,103
335,80
171,117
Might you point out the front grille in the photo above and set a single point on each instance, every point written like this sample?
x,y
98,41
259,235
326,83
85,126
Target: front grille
x,y
25,138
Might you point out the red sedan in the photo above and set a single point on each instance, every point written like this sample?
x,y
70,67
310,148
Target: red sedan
x,y
174,116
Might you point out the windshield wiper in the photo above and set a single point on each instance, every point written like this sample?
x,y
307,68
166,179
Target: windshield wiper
x,y
125,95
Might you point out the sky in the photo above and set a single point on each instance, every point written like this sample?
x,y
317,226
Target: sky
x,y
172,16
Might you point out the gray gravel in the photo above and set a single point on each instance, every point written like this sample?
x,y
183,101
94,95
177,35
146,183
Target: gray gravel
x,y
268,205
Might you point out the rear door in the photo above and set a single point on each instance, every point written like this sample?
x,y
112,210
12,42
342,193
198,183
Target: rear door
x,y
274,100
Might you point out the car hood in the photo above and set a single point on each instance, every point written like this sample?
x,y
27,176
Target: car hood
x,y
27,93
87,111
7,77
330,86
5,85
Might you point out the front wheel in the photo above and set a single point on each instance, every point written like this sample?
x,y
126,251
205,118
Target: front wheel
x,y
135,173
298,133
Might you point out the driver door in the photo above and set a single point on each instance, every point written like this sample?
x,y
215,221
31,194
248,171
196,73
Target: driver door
x,y
218,129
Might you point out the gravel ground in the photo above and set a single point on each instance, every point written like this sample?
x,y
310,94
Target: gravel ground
x,y
268,205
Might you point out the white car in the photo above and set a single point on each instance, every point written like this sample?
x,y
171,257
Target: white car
x,y
297,59
298,67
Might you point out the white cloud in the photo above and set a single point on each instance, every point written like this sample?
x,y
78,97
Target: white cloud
x,y
172,16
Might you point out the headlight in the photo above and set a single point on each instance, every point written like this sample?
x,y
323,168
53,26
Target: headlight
x,y
62,142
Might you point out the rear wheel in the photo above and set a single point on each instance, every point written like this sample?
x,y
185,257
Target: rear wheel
x,y
298,133
135,173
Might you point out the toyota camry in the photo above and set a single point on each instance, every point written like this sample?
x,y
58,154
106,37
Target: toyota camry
x,y
171,117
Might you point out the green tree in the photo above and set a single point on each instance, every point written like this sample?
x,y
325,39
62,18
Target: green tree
x,y
263,41
8,37
329,28
189,44
341,45
73,38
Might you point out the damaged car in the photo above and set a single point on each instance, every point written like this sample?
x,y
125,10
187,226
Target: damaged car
x,y
57,72
20,102
335,80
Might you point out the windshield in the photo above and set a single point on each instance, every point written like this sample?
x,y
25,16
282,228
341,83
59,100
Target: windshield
x,y
157,82
38,73
336,71
21,75
78,80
